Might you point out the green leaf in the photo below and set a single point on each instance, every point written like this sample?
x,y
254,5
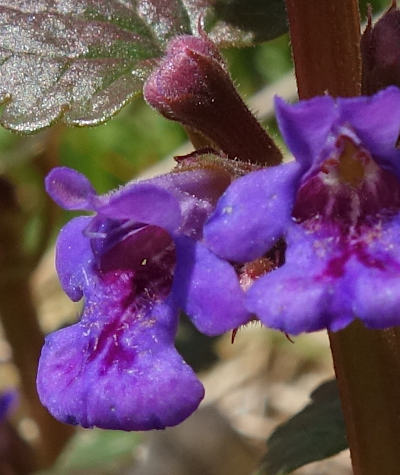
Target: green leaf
x,y
246,22
315,433
82,60
97,452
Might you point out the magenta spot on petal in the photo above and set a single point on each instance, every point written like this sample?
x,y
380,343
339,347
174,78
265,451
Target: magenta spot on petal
x,y
115,351
335,267
348,191
130,289
370,261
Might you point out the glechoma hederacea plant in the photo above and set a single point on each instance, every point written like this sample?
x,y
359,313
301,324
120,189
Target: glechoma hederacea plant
x,y
137,262
232,234
144,255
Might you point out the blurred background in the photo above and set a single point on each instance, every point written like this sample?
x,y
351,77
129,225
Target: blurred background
x,y
251,386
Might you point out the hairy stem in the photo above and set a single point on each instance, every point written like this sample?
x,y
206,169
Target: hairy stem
x,y
367,365
325,38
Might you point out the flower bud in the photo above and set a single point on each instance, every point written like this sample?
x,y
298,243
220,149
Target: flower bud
x,y
380,50
192,86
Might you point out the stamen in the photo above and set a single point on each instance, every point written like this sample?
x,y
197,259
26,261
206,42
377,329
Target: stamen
x,y
234,333
288,337
351,169
254,269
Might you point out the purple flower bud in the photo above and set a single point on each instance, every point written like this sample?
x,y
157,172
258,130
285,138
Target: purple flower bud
x,y
192,86
380,50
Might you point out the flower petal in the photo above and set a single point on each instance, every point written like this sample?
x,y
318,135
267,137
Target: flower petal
x,y
207,289
300,296
7,399
202,183
305,126
197,192
376,121
253,213
123,375
375,279
144,203
74,257
70,189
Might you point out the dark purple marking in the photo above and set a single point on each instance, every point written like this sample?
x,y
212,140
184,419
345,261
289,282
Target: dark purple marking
x,y
107,343
347,205
335,268
139,289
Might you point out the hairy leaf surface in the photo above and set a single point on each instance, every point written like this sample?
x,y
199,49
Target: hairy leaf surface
x,y
82,60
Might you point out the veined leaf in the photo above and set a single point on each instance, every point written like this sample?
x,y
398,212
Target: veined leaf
x,y
82,60
316,432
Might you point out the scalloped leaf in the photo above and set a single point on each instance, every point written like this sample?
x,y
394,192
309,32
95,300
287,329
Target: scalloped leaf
x,y
82,60
315,433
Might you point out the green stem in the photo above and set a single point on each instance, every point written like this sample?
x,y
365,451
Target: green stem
x,y
325,38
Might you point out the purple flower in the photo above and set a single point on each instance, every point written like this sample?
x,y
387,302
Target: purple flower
x,y
7,399
136,262
337,208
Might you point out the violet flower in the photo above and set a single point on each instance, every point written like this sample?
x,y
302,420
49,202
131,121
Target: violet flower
x,y
7,399
337,209
136,262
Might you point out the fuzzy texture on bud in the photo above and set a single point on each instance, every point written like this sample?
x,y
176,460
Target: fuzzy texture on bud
x,y
192,86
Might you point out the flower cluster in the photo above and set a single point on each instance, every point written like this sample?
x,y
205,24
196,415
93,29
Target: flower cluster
x,y
301,246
